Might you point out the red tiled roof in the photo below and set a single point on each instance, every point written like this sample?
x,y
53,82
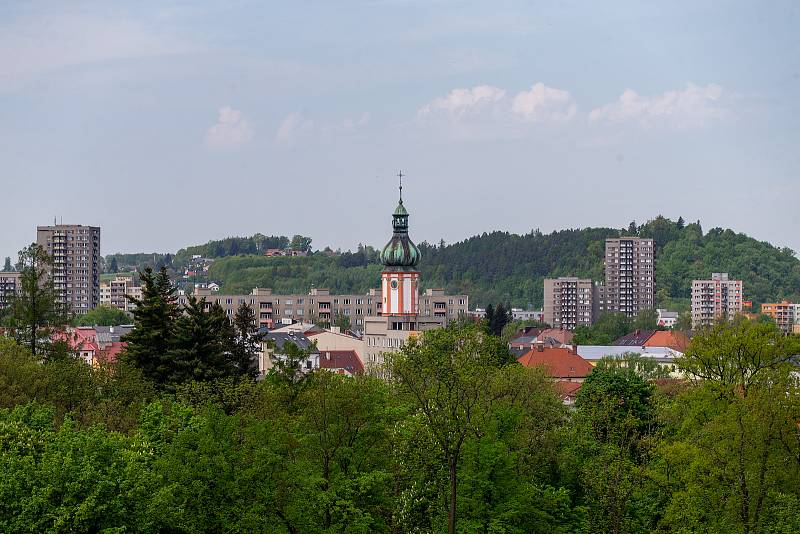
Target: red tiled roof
x,y
346,360
562,336
560,362
672,339
567,389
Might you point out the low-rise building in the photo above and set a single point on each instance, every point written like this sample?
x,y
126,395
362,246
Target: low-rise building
x,y
343,362
273,346
667,318
563,364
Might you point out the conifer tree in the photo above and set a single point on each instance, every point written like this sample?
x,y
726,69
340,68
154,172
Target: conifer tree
x,y
7,265
37,310
202,344
150,343
247,341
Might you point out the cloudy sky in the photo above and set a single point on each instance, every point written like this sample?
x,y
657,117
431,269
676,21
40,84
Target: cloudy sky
x,y
172,123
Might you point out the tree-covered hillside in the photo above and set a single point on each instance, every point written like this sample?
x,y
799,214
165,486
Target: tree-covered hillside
x,y
506,267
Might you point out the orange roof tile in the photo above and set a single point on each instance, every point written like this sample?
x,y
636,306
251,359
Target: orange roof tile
x,y
560,362
672,339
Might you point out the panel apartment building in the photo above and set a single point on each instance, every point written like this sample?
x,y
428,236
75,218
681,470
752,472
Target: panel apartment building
x,y
630,276
715,298
319,305
785,314
9,285
113,292
75,250
570,302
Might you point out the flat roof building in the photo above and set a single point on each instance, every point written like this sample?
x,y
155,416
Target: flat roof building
x,y
75,251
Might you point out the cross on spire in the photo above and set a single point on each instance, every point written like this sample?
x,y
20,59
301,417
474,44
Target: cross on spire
x,y
400,175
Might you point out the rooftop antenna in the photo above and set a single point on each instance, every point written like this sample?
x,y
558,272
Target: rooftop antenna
x,y
400,175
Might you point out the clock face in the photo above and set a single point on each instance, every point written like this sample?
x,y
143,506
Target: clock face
x,y
394,284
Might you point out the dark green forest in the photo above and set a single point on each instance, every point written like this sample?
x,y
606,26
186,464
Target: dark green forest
x,y
505,267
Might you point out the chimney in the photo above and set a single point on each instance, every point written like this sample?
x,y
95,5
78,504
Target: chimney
x,y
540,347
574,349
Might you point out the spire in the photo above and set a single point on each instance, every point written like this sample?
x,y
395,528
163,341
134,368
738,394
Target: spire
x,y
400,175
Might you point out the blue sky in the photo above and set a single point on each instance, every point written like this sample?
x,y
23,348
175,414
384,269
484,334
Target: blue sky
x,y
172,123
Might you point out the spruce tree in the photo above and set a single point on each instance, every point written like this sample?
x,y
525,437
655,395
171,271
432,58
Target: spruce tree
x,y
37,310
247,342
150,343
202,344
7,266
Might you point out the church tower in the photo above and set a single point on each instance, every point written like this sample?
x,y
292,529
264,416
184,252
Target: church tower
x,y
400,277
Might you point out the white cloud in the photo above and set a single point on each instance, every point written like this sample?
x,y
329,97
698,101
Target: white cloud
x,y
231,131
693,106
297,126
544,103
462,101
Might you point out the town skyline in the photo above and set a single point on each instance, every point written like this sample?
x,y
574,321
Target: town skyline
x,y
159,112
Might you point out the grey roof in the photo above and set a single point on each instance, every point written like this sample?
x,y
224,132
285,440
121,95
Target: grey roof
x,y
597,352
109,334
281,338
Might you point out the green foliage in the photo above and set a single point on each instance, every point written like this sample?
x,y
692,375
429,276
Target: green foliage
x,y
36,311
646,320
7,265
102,315
155,315
453,430
609,327
233,246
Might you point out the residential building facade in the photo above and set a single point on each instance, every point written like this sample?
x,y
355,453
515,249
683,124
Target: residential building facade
x,y
785,314
629,275
75,250
718,297
569,302
113,293
9,286
320,306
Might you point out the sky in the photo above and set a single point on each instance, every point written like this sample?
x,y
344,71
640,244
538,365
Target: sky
x,y
172,123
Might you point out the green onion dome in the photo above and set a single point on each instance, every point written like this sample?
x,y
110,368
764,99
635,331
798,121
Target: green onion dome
x,y
400,251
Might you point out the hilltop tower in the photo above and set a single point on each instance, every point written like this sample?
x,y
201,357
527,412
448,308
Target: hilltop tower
x,y
400,277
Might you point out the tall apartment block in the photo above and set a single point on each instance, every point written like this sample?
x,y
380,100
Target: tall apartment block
x,y
9,285
570,302
75,250
718,297
630,275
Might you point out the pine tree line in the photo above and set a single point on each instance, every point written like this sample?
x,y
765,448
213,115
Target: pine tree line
x,y
172,346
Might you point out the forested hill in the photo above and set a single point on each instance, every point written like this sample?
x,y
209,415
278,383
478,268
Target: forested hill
x,y
504,267
507,267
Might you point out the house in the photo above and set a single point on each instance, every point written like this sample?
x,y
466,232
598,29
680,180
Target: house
x,y
667,318
531,337
636,338
343,362
95,345
563,364
671,339
664,356
332,340
273,347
